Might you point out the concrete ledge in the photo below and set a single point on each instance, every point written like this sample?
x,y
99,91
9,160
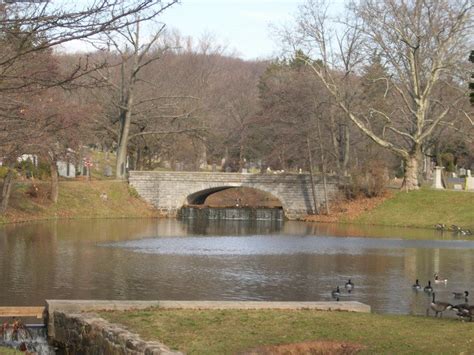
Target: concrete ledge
x,y
77,306
350,306
36,312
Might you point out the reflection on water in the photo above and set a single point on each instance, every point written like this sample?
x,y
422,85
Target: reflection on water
x,y
227,260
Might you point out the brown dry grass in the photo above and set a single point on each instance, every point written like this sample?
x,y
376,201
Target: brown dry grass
x,y
312,347
348,210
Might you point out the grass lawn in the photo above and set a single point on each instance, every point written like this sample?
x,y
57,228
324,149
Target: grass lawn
x,y
8,351
423,208
234,331
77,199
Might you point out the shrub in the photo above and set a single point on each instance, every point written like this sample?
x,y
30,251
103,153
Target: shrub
x,y
369,181
448,161
3,172
132,192
26,168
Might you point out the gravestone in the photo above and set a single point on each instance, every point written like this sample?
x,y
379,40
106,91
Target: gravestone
x,y
108,171
462,172
470,183
437,182
66,169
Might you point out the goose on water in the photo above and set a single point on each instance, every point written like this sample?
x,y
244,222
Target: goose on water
x,y
459,295
416,285
437,280
439,307
428,288
349,286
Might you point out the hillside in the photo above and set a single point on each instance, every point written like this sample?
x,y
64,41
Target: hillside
x,y
77,199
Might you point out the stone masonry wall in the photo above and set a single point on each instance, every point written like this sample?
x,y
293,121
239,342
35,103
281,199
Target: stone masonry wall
x,y
169,191
87,333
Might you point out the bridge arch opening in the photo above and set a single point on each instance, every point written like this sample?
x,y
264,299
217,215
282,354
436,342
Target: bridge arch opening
x,y
231,197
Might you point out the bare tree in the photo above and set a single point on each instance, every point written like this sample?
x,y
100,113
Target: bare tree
x,y
28,33
421,43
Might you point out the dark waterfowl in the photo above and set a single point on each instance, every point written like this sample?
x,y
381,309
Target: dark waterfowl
x,y
416,285
336,293
428,288
349,286
464,311
439,307
455,228
459,295
437,280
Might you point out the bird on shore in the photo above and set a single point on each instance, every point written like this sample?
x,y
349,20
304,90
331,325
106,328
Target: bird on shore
x,y
459,295
428,288
440,226
464,310
437,280
349,286
416,286
455,228
439,307
336,293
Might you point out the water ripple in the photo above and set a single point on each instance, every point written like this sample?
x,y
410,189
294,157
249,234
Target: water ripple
x,y
279,245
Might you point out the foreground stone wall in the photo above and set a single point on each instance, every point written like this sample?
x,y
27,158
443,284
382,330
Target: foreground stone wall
x,y
170,191
72,326
87,333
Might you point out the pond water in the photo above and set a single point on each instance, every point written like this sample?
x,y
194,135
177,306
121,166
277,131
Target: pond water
x,y
147,259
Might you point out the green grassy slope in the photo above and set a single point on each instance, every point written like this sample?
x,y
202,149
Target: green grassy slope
x,y
234,331
423,208
77,199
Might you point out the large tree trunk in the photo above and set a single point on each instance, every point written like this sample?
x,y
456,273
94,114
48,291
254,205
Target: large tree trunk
x,y
323,165
54,181
313,188
412,170
6,191
346,149
120,168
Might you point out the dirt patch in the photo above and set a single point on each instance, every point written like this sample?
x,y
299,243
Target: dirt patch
x,y
242,197
349,209
314,347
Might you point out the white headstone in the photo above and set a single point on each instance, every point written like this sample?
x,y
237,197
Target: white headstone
x,y
437,182
66,169
468,172
470,183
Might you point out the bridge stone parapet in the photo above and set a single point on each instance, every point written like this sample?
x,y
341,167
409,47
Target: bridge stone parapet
x,y
170,191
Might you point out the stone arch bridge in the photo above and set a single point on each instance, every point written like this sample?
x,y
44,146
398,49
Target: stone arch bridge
x,y
170,191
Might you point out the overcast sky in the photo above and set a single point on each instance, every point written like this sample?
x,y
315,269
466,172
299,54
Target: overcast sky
x,y
243,25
